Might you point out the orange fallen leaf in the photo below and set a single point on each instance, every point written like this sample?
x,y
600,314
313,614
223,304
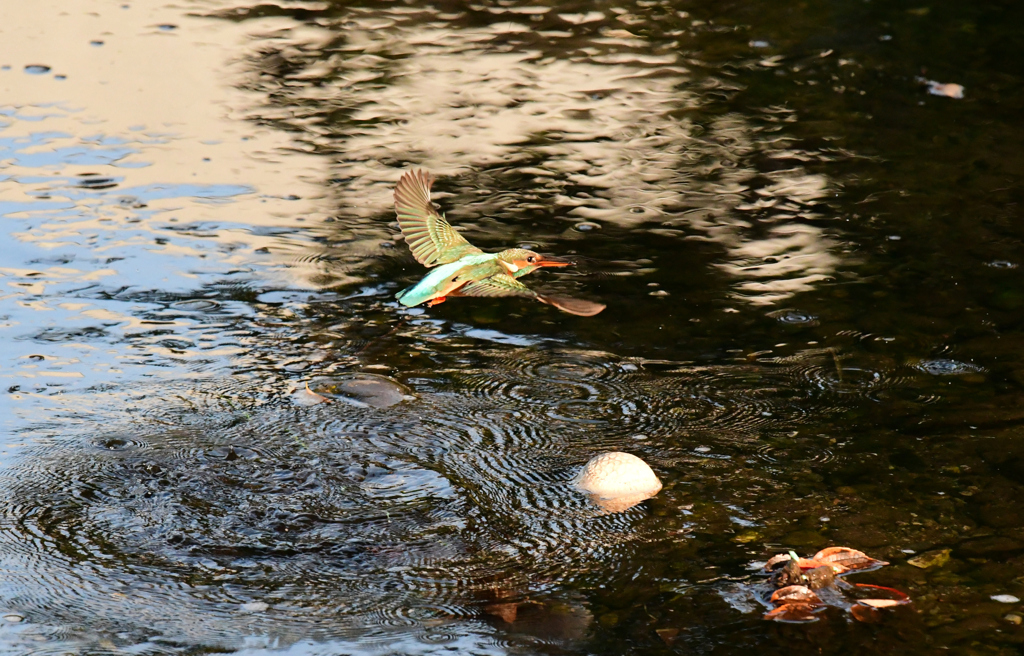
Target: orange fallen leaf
x,y
811,563
900,596
794,594
947,89
668,636
309,397
844,559
865,614
950,90
881,603
795,612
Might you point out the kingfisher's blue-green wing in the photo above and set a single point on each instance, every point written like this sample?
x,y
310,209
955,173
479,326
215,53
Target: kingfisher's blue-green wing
x,y
505,285
498,285
431,238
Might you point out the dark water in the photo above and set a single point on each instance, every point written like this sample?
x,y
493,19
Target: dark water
x,y
814,330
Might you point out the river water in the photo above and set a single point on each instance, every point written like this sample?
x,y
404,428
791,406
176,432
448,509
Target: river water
x,y
814,334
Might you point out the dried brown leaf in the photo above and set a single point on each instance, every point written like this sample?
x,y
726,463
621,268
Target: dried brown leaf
x,y
865,614
880,603
308,397
794,594
811,563
668,636
950,90
795,612
845,559
947,89
899,597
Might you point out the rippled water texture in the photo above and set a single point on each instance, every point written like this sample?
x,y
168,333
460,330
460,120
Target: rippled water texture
x,y
222,433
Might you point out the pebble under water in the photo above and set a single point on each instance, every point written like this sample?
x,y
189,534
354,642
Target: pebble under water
x,y
224,435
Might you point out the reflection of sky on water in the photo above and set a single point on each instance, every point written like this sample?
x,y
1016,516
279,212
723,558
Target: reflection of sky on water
x,y
73,243
598,119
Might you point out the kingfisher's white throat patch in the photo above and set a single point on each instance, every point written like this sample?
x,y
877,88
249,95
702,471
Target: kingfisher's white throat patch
x,y
512,268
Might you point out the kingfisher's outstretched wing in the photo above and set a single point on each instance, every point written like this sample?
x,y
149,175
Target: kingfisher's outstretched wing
x,y
501,284
431,238
505,285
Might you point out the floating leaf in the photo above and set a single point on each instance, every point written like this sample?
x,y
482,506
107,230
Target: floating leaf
x,y
866,614
793,613
794,594
308,397
796,580
881,603
844,559
949,90
810,563
668,636
900,598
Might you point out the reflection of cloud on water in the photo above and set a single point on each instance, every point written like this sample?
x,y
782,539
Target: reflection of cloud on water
x,y
601,121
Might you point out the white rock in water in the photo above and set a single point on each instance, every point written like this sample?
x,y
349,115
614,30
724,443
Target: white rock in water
x,y
617,474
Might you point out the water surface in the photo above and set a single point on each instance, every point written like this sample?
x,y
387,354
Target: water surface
x,y
813,334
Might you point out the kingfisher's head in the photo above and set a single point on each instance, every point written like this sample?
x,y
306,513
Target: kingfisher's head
x,y
519,261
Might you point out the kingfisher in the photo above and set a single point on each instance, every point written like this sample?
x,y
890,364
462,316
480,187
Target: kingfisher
x,y
462,268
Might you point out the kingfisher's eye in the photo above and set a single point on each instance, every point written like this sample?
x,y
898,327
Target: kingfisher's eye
x,y
531,259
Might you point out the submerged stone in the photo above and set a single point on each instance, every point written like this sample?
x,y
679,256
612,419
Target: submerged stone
x,y
364,389
931,559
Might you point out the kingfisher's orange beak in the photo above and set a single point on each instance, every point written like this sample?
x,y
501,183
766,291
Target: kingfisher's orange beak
x,y
554,262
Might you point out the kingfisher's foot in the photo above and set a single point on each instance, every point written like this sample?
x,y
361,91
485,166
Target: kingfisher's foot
x,y
436,301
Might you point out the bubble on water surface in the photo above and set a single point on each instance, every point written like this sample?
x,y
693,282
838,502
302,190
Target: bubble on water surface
x,y
195,305
1001,264
793,317
37,69
118,444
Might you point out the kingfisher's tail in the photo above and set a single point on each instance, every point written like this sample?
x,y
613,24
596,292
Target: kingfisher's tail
x,y
405,292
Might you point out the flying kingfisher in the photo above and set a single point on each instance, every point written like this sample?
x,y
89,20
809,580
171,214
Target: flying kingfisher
x,y
464,269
